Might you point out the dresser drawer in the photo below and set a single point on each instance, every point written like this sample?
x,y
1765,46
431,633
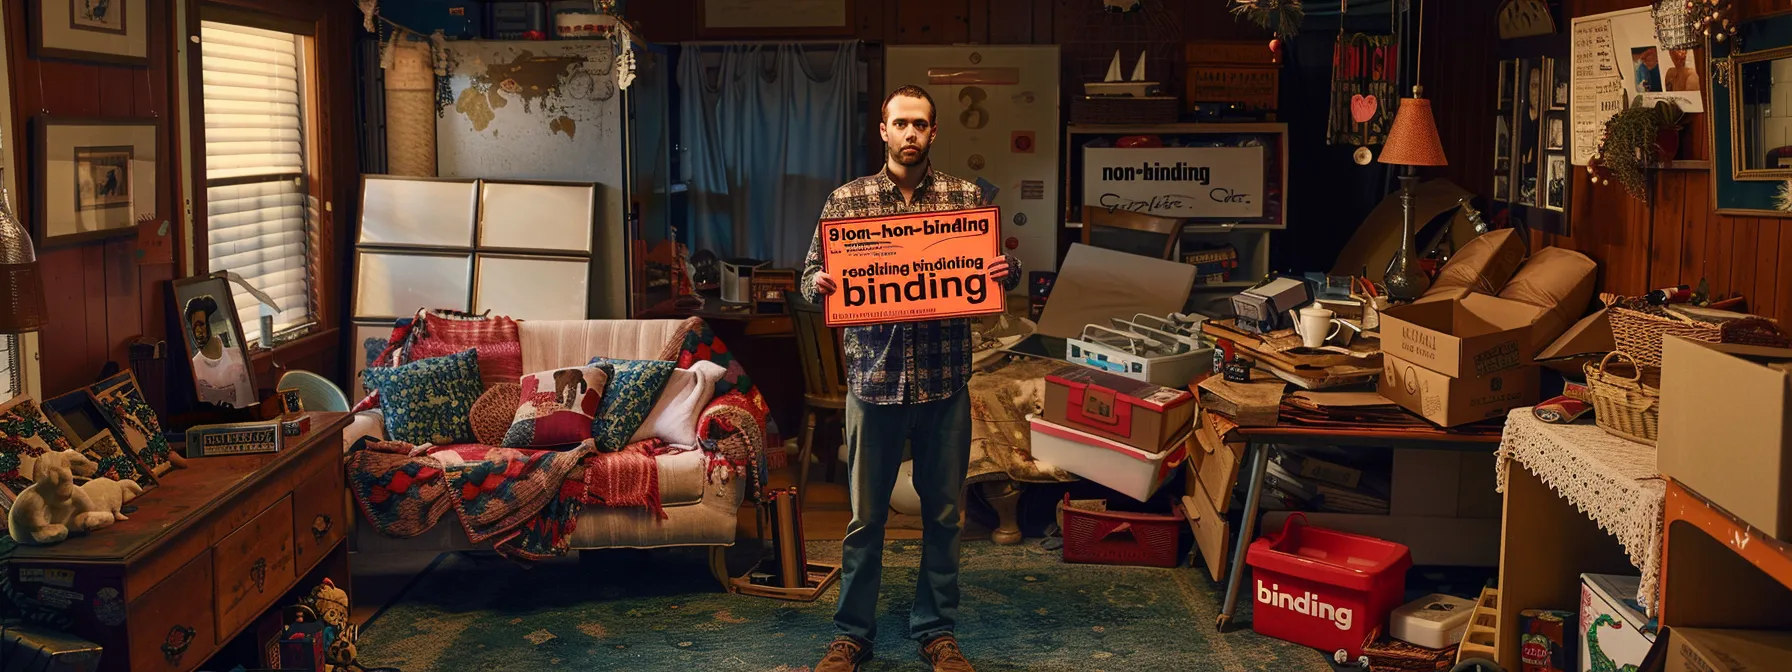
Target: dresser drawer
x,y
253,566
171,626
318,519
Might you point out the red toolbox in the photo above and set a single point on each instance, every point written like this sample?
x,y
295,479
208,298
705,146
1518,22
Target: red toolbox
x,y
1323,588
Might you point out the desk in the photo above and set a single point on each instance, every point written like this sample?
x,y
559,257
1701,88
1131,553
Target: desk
x,y
1257,442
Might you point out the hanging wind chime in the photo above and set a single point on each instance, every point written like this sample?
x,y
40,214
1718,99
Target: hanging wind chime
x,y
1363,71
1281,17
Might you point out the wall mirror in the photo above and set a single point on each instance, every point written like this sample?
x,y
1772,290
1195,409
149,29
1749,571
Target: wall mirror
x,y
1763,39
1761,114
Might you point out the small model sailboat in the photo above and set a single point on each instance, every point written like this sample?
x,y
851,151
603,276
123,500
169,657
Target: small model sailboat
x,y
1113,85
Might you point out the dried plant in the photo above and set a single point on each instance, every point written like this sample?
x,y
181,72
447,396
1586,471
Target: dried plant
x,y
1783,198
1281,17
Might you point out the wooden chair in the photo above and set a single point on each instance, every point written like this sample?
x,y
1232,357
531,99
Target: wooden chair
x,y
1132,232
824,379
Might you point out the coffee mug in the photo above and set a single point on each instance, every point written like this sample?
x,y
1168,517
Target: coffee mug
x,y
1312,323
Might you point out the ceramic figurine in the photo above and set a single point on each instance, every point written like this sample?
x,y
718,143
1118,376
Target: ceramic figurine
x,y
110,495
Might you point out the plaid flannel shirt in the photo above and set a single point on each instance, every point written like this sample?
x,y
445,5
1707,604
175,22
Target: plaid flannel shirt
x,y
907,362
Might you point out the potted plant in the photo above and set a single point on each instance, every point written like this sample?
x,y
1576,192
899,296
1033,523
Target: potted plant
x,y
1637,139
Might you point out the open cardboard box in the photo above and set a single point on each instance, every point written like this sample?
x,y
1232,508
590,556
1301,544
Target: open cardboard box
x,y
1467,337
1450,401
1719,650
1095,284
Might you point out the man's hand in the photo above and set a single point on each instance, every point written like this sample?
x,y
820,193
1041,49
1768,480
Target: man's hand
x,y
825,284
998,268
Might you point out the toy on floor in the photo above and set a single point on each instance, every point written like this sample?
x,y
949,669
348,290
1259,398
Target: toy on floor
x,y
110,495
52,507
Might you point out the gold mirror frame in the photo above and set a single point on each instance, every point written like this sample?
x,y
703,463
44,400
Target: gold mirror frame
x,y
1737,172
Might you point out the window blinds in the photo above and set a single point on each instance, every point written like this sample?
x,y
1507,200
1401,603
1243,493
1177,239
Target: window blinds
x,y
257,207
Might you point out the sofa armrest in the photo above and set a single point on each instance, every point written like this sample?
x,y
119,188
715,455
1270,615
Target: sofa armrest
x,y
734,426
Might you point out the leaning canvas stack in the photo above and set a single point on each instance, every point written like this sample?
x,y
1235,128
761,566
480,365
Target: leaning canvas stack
x,y
1126,434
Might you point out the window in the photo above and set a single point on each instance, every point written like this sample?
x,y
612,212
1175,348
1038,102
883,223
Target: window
x,y
12,375
259,213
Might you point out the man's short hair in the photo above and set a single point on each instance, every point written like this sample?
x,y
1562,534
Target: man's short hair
x,y
910,91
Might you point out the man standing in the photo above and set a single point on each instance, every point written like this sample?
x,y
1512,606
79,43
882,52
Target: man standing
x,y
907,386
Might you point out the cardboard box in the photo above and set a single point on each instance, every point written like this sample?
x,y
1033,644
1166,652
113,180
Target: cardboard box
x,y
1138,414
1726,429
1706,650
1469,337
1586,341
1450,401
1609,608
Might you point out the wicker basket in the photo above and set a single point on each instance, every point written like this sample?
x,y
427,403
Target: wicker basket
x,y
1638,329
1626,397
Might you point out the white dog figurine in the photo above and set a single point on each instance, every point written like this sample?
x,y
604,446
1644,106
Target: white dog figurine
x,y
110,495
52,507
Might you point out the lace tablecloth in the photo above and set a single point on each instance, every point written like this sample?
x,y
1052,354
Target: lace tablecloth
x,y
1611,480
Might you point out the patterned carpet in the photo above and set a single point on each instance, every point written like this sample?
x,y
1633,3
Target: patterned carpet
x,y
649,611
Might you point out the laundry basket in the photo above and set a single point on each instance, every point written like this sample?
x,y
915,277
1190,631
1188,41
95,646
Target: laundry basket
x,y
1118,538
1323,588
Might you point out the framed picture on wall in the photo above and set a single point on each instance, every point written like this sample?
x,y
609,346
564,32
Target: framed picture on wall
x,y
93,178
105,31
774,18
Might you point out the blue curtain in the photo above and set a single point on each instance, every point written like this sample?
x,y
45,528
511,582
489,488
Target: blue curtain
x,y
770,132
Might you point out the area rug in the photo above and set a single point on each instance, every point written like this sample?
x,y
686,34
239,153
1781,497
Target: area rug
x,y
1022,609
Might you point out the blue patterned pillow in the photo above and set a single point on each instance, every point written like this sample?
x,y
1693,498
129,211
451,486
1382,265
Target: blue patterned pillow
x,y
429,400
634,386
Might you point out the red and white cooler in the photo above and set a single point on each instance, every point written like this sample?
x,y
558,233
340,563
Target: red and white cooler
x,y
1323,588
1123,468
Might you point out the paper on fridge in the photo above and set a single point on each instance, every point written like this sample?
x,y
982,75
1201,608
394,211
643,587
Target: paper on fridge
x,y
923,266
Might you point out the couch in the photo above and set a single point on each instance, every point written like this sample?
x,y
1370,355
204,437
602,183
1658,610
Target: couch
x,y
701,502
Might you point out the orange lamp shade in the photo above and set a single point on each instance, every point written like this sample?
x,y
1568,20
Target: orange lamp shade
x,y
1413,140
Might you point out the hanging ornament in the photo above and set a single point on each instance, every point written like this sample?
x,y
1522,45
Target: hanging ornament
x,y
1362,156
1275,47
1364,68
1281,17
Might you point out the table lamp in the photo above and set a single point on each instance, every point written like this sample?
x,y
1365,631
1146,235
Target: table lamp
x,y
1412,142
21,283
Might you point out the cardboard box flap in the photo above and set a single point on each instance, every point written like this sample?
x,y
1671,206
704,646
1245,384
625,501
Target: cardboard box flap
x,y
1592,335
1713,650
1096,284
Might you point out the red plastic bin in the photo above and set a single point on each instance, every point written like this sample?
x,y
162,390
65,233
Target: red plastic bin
x,y
1323,588
1118,538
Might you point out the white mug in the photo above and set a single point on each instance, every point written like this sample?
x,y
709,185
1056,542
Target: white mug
x,y
1312,322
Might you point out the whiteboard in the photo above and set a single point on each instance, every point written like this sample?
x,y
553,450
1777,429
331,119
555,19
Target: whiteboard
x,y
532,287
396,284
410,211
555,217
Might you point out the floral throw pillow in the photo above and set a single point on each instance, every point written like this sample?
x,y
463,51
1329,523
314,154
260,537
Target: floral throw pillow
x,y
25,433
557,407
634,387
429,400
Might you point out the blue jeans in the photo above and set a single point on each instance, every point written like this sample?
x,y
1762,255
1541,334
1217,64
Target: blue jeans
x,y
939,433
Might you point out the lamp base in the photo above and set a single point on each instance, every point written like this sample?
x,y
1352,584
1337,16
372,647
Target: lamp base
x,y
1405,280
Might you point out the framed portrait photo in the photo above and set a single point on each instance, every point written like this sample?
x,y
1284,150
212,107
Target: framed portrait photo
x,y
104,31
93,178
222,373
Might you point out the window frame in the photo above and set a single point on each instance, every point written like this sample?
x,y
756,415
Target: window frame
x,y
327,66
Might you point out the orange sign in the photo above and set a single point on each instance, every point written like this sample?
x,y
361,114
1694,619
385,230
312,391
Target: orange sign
x,y
926,266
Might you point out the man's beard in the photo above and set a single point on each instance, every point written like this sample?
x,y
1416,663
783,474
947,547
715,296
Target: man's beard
x,y
896,155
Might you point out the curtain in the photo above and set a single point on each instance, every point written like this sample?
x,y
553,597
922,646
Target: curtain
x,y
770,135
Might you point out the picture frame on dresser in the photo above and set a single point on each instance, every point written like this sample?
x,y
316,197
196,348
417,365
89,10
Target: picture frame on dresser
x,y
121,398
91,430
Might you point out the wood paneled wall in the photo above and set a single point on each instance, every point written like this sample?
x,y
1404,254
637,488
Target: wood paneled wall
x,y
98,296
1678,238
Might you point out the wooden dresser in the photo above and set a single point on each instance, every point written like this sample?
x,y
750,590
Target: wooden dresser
x,y
206,553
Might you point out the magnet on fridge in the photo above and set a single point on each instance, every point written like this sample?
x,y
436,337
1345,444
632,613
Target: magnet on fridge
x,y
1020,219
975,162
1021,142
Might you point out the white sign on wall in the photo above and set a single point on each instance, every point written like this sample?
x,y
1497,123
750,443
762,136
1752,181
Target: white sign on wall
x,y
1198,182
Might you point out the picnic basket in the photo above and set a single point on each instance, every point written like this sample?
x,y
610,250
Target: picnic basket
x,y
1638,328
1626,397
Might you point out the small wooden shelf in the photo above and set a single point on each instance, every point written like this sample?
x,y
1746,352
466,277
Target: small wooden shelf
x,y
1719,572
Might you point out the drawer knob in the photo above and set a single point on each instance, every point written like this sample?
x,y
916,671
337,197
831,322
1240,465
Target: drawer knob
x,y
258,573
179,638
320,526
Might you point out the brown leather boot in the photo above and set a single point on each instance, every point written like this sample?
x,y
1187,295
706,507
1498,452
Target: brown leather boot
x,y
942,653
844,655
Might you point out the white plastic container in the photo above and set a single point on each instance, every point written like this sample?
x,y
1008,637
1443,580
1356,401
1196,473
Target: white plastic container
x,y
1128,470
1434,621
